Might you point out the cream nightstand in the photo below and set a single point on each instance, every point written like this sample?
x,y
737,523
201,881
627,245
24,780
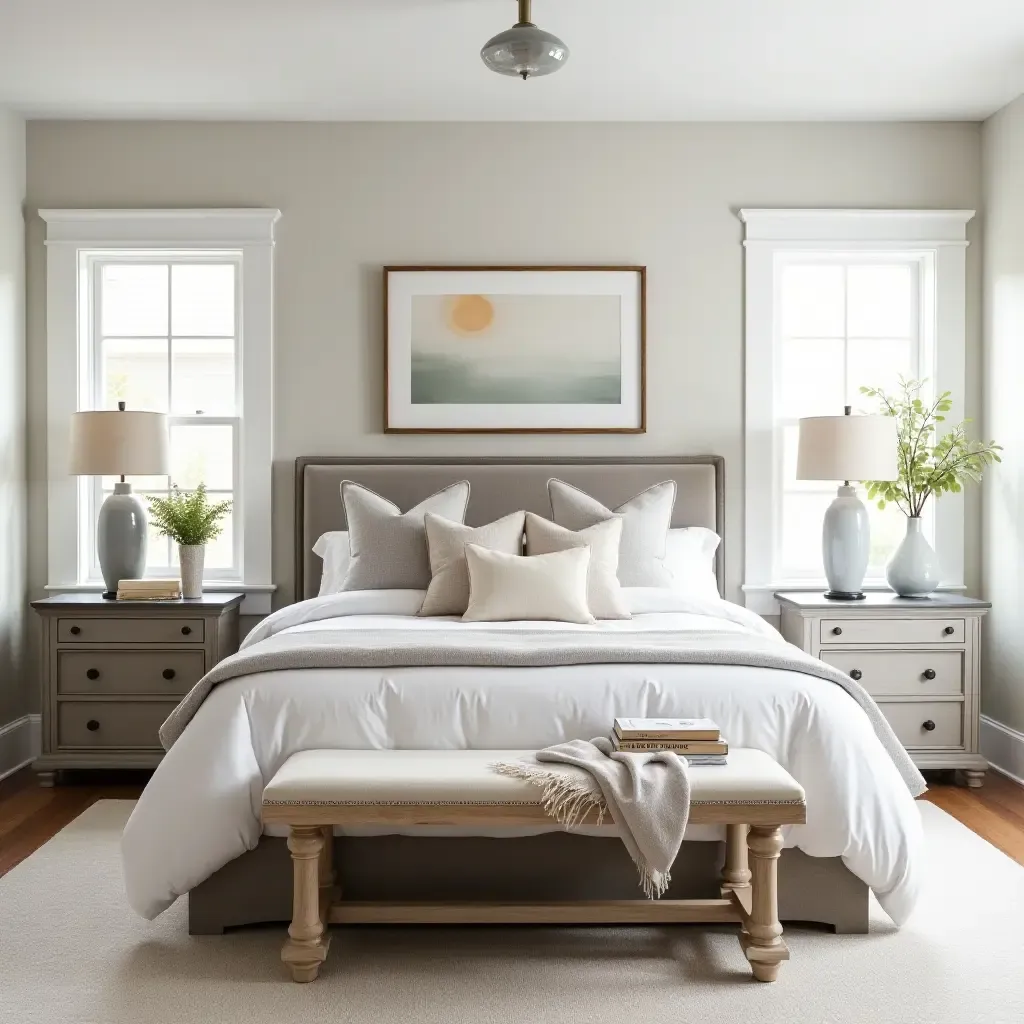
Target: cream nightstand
x,y
918,657
114,670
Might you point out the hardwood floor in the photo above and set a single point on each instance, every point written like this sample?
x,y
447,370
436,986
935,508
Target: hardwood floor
x,y
29,815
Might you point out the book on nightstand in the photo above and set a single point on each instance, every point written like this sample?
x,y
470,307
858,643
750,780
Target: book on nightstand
x,y
148,590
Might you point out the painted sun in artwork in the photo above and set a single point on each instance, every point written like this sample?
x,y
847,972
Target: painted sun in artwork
x,y
470,315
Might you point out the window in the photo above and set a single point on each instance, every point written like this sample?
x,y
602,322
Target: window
x,y
836,300
169,311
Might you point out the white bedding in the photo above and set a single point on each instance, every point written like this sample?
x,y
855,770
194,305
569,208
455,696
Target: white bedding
x,y
202,807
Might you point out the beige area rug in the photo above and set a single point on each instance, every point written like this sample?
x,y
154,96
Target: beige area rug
x,y
72,951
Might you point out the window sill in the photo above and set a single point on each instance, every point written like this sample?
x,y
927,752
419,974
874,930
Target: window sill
x,y
257,595
759,597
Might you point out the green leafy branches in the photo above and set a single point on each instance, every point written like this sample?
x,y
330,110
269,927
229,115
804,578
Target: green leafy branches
x,y
188,517
927,465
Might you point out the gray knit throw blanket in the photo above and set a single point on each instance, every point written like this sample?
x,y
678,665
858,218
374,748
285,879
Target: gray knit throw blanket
x,y
647,795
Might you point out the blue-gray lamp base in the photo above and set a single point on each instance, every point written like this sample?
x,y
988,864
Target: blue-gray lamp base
x,y
846,545
121,538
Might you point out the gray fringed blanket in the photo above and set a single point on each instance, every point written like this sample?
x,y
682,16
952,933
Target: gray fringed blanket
x,y
527,648
647,795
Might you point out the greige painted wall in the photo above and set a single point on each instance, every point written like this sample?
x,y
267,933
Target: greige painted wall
x,y
14,692
1002,695
356,196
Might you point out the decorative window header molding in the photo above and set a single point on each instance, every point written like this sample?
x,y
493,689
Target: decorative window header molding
x,y
846,227
160,228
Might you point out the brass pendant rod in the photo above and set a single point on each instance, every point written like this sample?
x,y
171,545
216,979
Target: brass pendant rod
x,y
524,12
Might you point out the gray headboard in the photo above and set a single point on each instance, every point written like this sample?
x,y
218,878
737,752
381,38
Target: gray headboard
x,y
497,487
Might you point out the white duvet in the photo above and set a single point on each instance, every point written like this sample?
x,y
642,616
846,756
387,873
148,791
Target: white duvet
x,y
201,809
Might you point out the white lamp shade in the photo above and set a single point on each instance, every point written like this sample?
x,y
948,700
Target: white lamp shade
x,y
847,448
115,443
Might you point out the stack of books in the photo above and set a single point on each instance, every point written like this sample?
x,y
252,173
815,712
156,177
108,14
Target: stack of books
x,y
148,590
699,740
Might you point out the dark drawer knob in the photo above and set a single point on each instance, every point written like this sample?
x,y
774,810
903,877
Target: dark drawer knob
x,y
928,726
168,673
185,630
948,631
929,673
855,673
92,725
75,630
92,673
836,631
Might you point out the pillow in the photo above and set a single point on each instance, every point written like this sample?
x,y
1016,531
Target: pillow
x,y
505,587
604,594
332,548
448,593
690,556
388,547
645,523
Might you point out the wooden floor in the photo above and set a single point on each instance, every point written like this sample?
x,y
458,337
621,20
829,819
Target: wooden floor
x,y
29,815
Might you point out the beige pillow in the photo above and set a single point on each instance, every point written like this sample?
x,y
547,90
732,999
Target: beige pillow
x,y
508,587
448,593
604,593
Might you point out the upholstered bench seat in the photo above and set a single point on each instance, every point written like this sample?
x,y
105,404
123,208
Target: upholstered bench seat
x,y
316,790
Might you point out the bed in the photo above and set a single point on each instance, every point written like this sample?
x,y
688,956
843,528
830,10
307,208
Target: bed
x,y
196,830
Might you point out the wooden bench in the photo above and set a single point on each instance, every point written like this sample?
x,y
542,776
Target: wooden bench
x,y
316,790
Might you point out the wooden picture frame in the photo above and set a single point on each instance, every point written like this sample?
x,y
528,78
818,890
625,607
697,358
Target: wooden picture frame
x,y
467,347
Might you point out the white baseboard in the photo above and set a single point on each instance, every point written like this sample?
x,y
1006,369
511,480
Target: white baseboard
x,y
19,744
1004,748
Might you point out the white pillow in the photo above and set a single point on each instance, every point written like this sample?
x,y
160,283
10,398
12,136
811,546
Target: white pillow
x,y
690,557
332,547
531,587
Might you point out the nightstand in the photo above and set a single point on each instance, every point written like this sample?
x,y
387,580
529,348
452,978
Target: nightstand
x,y
918,658
114,670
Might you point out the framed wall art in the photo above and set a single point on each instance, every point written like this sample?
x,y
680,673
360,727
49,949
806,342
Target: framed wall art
x,y
514,350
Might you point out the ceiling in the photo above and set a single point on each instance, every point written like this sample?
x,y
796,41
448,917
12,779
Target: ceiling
x,y
642,60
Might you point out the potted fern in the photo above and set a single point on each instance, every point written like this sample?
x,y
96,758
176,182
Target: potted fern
x,y
191,520
927,465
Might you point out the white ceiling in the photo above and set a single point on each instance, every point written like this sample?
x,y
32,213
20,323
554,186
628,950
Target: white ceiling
x,y
418,59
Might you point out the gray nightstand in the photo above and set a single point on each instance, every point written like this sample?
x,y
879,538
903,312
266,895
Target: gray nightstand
x,y
113,670
918,657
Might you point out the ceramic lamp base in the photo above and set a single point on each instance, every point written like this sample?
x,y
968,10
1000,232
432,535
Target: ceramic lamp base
x,y
845,544
121,538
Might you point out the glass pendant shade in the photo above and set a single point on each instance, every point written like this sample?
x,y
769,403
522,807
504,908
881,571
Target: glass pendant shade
x,y
524,49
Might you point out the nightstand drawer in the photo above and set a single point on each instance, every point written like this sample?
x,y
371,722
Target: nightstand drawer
x,y
892,631
142,672
902,673
129,631
111,723
921,724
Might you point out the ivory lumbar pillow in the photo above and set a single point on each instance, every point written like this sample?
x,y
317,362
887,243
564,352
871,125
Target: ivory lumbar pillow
x,y
388,547
646,519
604,592
448,593
508,587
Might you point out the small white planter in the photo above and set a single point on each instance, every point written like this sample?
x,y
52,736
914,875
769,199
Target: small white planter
x,y
190,560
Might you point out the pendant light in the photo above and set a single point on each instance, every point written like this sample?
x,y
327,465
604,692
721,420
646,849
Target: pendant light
x,y
524,49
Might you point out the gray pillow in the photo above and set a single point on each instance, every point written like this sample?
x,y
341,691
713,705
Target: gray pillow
x,y
388,547
448,593
646,519
604,592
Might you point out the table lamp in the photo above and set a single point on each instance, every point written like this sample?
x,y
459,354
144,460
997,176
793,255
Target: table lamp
x,y
118,444
846,448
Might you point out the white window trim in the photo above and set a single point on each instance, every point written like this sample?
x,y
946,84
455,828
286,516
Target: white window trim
x,y
251,232
940,233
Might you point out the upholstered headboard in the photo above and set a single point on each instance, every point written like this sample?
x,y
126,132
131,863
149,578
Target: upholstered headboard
x,y
497,487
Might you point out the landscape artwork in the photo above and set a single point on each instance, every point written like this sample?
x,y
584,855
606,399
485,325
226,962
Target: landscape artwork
x,y
515,349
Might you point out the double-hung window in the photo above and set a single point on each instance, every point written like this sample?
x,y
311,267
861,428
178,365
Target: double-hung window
x,y
169,311
836,301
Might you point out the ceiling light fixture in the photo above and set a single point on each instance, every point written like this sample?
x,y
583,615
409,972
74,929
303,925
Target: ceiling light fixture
x,y
524,49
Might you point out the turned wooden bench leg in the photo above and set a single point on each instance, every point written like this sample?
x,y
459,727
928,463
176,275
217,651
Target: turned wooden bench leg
x,y
762,939
735,871
306,947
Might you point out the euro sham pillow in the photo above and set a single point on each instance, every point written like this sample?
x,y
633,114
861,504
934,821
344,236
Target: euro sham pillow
x,y
448,593
604,592
332,548
388,547
506,588
690,557
646,519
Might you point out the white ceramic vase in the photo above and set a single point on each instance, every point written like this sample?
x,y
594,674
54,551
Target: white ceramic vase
x,y
913,570
190,561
